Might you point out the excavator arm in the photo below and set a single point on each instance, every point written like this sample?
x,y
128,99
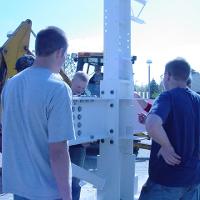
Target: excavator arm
x,y
16,46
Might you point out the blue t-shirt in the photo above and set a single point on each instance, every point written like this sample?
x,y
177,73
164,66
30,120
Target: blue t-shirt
x,y
179,110
36,111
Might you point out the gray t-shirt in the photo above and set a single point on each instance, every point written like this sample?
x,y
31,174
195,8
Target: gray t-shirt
x,y
36,111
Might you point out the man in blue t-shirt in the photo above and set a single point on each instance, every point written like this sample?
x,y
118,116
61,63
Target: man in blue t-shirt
x,y
37,123
174,125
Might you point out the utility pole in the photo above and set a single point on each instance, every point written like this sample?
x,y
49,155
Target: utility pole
x,y
149,62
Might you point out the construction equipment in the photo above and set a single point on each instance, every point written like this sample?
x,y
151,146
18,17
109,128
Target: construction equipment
x,y
92,58
16,46
92,63
89,58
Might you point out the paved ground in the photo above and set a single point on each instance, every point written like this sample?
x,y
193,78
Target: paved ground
x,y
89,192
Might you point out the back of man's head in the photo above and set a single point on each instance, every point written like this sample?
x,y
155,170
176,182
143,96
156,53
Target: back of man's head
x,y
50,40
179,69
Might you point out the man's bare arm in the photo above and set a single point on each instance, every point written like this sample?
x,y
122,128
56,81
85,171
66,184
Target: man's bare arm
x,y
60,162
140,100
155,130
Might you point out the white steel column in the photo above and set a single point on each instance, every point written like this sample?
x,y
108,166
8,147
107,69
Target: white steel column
x,y
115,120
116,162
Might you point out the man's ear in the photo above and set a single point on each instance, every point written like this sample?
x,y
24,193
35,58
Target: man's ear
x,y
168,77
59,53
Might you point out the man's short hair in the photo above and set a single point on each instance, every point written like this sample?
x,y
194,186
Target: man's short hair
x,y
179,69
81,75
50,40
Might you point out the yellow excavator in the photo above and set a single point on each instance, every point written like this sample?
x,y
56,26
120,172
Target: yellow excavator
x,y
16,46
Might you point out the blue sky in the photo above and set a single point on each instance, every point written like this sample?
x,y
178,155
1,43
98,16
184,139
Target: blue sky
x,y
172,28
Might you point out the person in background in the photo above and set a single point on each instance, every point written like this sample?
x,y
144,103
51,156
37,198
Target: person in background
x,y
24,62
79,83
78,152
94,82
37,123
173,123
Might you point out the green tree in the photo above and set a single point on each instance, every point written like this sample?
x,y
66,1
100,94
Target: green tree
x,y
70,65
154,89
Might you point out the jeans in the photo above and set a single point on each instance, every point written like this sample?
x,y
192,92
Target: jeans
x,y
16,197
154,191
77,155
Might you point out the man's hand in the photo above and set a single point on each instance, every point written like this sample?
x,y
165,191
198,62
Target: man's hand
x,y
169,155
140,100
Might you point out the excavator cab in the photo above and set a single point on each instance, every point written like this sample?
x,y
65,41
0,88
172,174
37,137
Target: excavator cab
x,y
92,64
93,60
89,58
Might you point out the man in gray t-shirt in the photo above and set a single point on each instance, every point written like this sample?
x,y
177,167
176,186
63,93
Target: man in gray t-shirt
x,y
36,123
